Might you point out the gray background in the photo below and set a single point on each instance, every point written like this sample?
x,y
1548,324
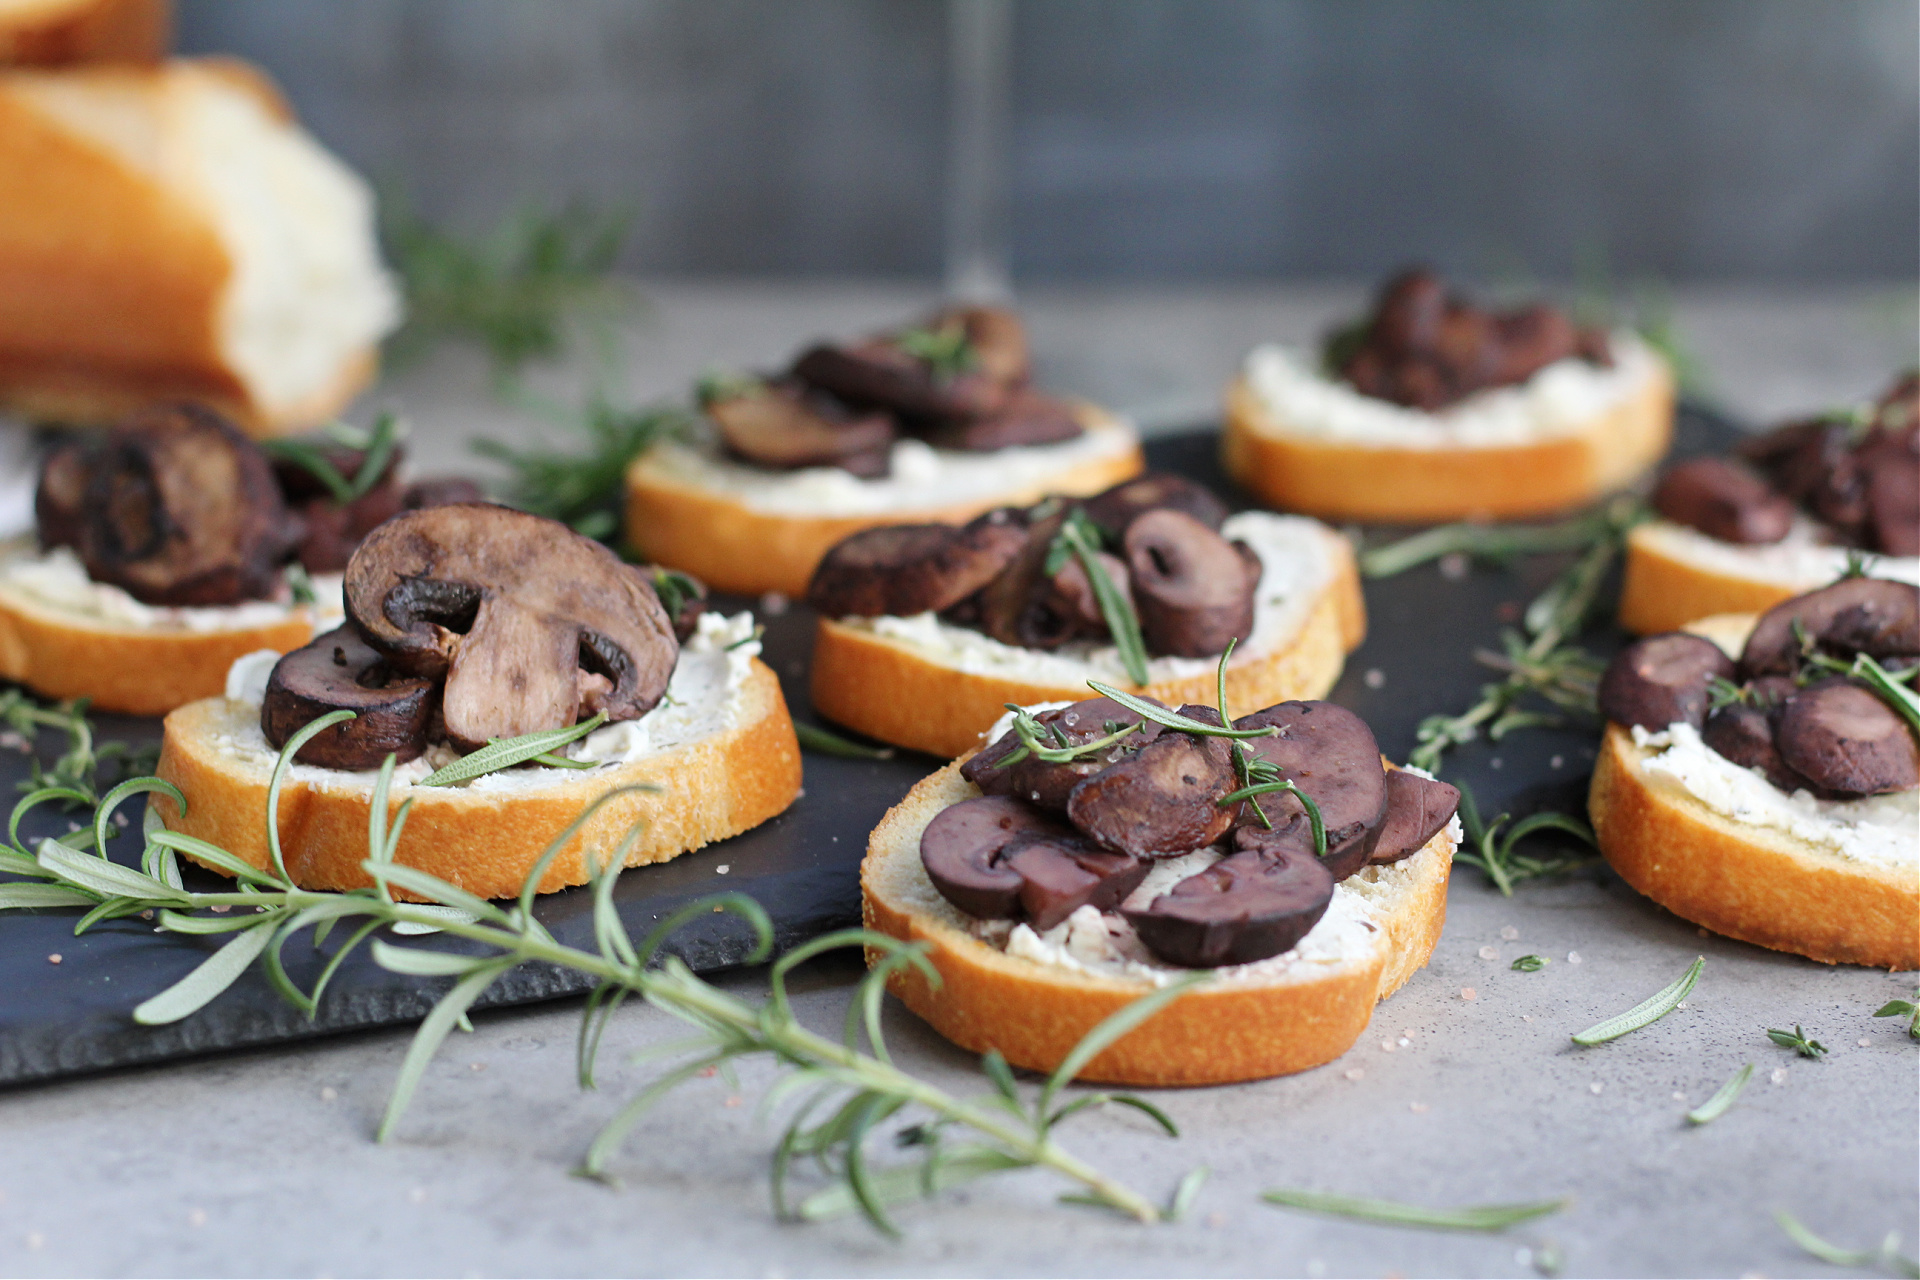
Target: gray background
x,y
1699,140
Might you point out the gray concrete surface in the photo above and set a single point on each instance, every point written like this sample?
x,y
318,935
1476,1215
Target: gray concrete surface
x,y
262,1163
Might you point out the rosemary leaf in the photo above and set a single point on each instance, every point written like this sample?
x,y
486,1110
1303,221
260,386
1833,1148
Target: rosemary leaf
x,y
1498,543
1797,1041
314,461
504,753
1486,1217
1186,1192
1173,720
1902,1009
1081,537
452,1008
99,876
827,743
215,974
1716,1106
1887,1256
1287,786
1648,1011
584,489
33,896
1530,964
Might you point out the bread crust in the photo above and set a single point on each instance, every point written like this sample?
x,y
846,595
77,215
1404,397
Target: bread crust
x,y
896,693
63,32
128,670
1748,882
732,547
487,841
1345,481
1034,1014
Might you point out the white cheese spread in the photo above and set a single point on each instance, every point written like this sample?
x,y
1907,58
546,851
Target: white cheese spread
x,y
1799,561
1561,399
1296,560
921,476
58,580
1881,830
704,697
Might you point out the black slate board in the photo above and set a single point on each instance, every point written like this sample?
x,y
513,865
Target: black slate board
x,y
72,1017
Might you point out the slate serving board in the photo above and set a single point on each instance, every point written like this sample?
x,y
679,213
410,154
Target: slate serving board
x,y
72,1016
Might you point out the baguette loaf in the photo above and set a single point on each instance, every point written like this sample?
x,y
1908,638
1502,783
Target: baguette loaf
x,y
51,33
1268,1019
170,232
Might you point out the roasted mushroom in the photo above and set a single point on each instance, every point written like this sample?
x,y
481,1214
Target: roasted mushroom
x,y
1417,808
60,499
1048,784
1244,908
1723,499
339,671
905,569
1190,586
533,625
1019,606
962,850
1331,754
1744,735
1162,799
181,509
1840,736
1062,872
1874,616
1662,680
925,375
783,424
1026,418
1114,509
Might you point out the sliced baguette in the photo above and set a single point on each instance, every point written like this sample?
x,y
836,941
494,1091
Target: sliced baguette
x,y
1745,881
169,232
725,541
901,693
51,33
1341,480
484,841
1232,1030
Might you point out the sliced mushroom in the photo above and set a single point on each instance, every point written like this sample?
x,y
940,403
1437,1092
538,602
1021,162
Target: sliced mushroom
x,y
1855,615
1190,586
60,499
1018,606
298,483
1844,738
1114,509
181,509
1417,809
1070,593
1527,341
440,491
783,424
1244,908
962,850
533,625
1744,735
1891,461
1662,680
1060,873
878,372
1160,800
1723,499
998,339
1331,754
339,671
1046,784
330,531
905,569
1027,418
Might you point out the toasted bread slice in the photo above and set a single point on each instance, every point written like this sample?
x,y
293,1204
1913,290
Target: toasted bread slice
x,y
1353,480
733,543
1675,574
1268,1019
901,691
1746,881
484,840
54,33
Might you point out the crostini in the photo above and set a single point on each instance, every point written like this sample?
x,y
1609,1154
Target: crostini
x,y
469,625
1433,409
1781,516
1774,797
933,422
1095,851
928,631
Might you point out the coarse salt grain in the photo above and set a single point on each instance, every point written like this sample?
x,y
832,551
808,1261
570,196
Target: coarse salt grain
x,y
1386,1046
1595,1087
54,958
723,868
1417,1107
1404,1042
1679,1096
1374,678
35,1240
329,1093
1573,957
1489,953
1556,762
1453,566
1779,1075
1865,1043
1468,993
196,1217
733,1100
1354,1073
418,1195
1509,933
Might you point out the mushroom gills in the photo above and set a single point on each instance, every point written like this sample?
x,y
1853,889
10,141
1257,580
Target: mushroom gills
x,y
1245,908
338,671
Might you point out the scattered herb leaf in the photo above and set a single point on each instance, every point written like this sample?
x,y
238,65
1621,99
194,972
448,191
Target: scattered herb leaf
x,y
1908,1009
1797,1041
1887,1256
504,753
827,743
584,490
1716,1106
1486,1217
1530,964
1648,1011
1496,852
1081,538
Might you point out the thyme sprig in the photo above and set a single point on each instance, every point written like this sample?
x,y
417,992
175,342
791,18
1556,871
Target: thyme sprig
x,y
583,488
1485,1217
1887,1257
1797,1041
1648,1011
1495,851
1908,1009
84,767
858,1091
1081,538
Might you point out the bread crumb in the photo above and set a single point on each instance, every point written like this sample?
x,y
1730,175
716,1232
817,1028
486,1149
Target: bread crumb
x,y
1489,953
1374,678
1595,1087
1526,1017
221,908
1701,932
196,1217
1509,933
1353,1073
1417,1107
1468,993
54,958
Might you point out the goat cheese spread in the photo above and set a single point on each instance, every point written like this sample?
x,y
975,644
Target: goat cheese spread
x,y
1881,830
58,580
1296,560
1799,561
1561,399
703,698
921,476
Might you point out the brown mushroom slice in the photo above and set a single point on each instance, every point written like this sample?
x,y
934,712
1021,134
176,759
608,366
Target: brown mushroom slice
x,y
905,569
1048,784
1744,735
440,491
1723,499
962,850
533,625
339,671
330,531
298,483
1842,737
1027,418
879,372
1070,593
1161,800
998,339
1417,809
1018,607
1244,908
1190,586
1060,873
60,498
783,425
182,509
1855,615
1527,341
1892,465
1662,680
1114,509
1331,754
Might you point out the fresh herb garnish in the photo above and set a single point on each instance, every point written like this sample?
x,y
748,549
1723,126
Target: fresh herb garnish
x,y
1057,748
1530,964
676,590
1907,1009
1081,538
1722,692
946,349
1288,787
504,753
1501,544
1887,1256
1494,852
1174,720
81,771
827,743
721,384
300,584
1797,1041
584,490
1485,1217
1648,1011
376,448
1716,1106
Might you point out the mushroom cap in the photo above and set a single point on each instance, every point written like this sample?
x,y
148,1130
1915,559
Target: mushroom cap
x,y
1662,680
783,424
338,671
1855,615
1723,499
961,850
904,569
532,624
1839,736
1190,586
1331,754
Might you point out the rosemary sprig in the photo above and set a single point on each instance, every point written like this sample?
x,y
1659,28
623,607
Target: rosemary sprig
x,y
505,753
300,584
1173,719
1494,851
827,743
84,767
859,1091
1485,1217
1036,743
583,489
1286,786
946,349
1908,1009
1081,538
1501,544
1887,1257
1716,1106
376,447
1797,1041
1647,1012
